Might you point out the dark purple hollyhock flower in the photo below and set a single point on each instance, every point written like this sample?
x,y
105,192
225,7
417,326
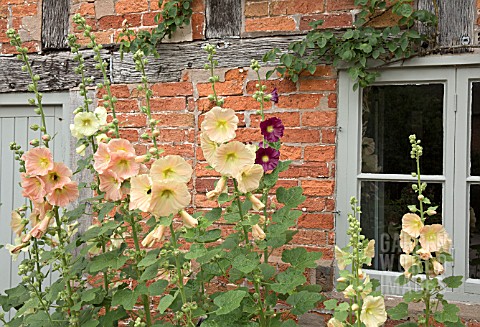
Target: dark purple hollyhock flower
x,y
272,129
274,94
267,157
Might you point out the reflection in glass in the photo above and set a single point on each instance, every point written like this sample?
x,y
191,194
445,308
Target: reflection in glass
x,y
475,128
390,114
383,204
474,235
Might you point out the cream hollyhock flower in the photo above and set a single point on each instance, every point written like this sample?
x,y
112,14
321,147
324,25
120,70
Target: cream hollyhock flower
x,y
140,192
220,124
437,268
412,224
101,114
334,323
249,178
423,254
341,257
76,134
433,238
168,197
16,248
17,223
219,189
86,123
370,249
208,148
407,243
349,292
188,220
257,205
230,158
258,233
171,168
154,236
407,261
373,311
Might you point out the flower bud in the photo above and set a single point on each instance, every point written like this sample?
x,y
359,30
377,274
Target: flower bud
x,y
341,279
34,127
431,212
34,142
153,151
258,233
256,203
188,220
156,133
355,307
46,137
81,149
421,197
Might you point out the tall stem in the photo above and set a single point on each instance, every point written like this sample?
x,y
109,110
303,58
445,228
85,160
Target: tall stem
x,y
240,212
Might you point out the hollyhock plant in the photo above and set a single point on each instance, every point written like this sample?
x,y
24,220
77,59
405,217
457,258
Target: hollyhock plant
x,y
272,129
33,187
154,236
17,223
188,220
208,148
60,174
219,188
274,95
412,224
38,161
111,185
85,123
267,157
373,311
123,164
220,124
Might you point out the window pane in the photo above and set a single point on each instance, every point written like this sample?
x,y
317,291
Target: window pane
x,y
475,128
393,112
383,204
474,237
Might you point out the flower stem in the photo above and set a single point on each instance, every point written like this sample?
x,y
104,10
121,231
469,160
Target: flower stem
x,y
240,211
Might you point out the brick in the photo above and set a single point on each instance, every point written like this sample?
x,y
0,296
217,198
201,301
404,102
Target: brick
x,y
204,185
310,169
332,100
321,71
87,9
104,8
299,101
323,153
127,106
310,237
222,88
131,120
340,5
282,85
129,134
148,19
115,22
183,150
313,204
301,136
317,85
289,119
292,7
202,171
172,89
176,136
290,153
202,202
270,24
236,74
324,275
11,2
250,135
198,26
24,10
130,6
168,104
175,120
319,118
256,9
318,187
198,6
120,91
317,221
32,46
243,103
334,20
329,135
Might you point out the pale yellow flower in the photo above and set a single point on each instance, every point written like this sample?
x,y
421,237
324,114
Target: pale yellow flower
x,y
373,311
101,114
249,178
230,158
370,249
407,261
19,246
412,224
349,292
219,189
171,168
188,220
168,197
220,124
208,148
17,223
258,233
154,236
334,323
86,123
341,257
257,205
434,238
75,133
407,243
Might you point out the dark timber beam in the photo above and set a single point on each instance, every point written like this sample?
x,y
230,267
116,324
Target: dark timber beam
x,y
224,18
55,15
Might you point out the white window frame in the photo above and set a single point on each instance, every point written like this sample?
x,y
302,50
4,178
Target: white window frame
x,y
454,73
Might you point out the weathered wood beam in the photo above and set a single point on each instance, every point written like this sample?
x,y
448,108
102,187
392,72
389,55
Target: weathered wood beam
x,y
224,18
55,15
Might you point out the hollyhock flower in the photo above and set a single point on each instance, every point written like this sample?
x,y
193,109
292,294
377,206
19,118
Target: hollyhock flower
x,y
140,192
33,187
407,261
75,133
407,243
171,168
268,158
80,150
116,145
258,233
16,248
423,254
39,230
274,95
249,178
101,114
101,158
433,238
38,161
60,174
370,249
123,164
438,268
219,189
412,224
230,158
349,292
188,220
373,311
154,236
208,148
220,124
86,123
257,205
446,246
341,257
272,129
111,185
17,223
168,197
62,195
102,138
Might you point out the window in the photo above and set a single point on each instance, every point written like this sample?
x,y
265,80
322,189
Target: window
x,y
441,105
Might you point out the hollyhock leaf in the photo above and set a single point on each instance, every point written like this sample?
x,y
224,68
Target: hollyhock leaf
x,y
402,280
150,258
330,304
113,316
449,313
398,312
340,315
165,302
288,280
453,281
303,301
196,251
210,236
229,301
267,271
300,258
213,214
124,297
289,323
412,296
245,264
291,197
412,208
150,272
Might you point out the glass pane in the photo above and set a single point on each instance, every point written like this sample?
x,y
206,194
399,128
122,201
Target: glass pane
x,y
383,205
474,237
475,128
393,112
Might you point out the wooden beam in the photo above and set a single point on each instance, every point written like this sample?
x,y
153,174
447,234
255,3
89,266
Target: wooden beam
x,y
55,15
224,18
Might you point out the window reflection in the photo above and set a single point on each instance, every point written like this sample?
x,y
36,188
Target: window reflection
x,y
475,128
474,235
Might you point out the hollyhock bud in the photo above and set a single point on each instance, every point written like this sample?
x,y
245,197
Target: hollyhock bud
x,y
258,233
188,220
81,149
355,307
256,203
34,142
46,137
431,212
39,230
219,189
341,279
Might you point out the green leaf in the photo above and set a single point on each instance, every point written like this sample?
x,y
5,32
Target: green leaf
x,y
408,324
402,280
196,251
165,302
291,197
300,258
229,301
412,296
449,313
113,316
453,281
109,259
210,236
158,287
287,59
267,271
348,34
244,263
214,214
404,10
303,301
149,259
288,280
398,312
124,297
330,304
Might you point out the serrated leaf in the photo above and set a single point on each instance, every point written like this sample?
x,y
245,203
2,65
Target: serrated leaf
x,y
330,304
300,258
158,287
150,258
291,197
210,236
165,302
449,313
229,301
288,280
398,312
244,263
453,281
303,301
124,297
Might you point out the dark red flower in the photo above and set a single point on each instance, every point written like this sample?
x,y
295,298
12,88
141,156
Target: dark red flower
x,y
267,157
272,129
274,94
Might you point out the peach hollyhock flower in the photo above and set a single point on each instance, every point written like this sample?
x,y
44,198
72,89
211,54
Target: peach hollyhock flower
x,y
101,158
154,236
220,124
171,168
437,268
407,261
412,224
407,243
17,223
230,158
33,187
39,230
39,211
208,148
423,254
123,164
111,185
60,174
140,192
334,323
116,145
373,311
86,123
258,233
341,257
219,188
257,205
433,238
61,196
168,197
249,178
38,161
188,220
